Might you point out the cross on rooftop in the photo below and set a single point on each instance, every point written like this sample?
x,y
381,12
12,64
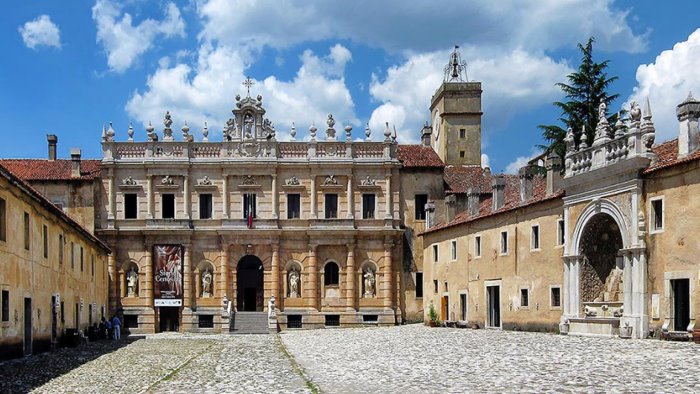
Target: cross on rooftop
x,y
248,83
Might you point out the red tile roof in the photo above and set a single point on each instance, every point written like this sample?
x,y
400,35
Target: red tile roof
x,y
51,170
33,193
461,178
512,200
419,156
667,156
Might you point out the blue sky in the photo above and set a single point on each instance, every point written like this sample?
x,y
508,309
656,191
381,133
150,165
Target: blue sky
x,y
70,67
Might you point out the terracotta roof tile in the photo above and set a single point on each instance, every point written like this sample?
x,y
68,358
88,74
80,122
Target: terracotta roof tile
x,y
461,178
419,156
667,156
51,170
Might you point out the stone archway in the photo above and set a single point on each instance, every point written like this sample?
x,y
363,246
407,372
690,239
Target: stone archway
x,y
601,270
249,284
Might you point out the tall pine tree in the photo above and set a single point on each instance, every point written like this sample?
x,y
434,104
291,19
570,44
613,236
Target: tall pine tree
x,y
587,87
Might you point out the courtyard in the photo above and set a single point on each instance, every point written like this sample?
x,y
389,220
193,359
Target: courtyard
x,y
407,359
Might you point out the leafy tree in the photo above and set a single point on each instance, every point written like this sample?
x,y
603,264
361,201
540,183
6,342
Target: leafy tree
x,y
585,89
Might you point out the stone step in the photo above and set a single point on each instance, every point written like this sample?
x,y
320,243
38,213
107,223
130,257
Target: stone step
x,y
250,323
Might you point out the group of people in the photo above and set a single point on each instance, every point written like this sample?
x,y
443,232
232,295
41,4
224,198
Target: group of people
x,y
107,329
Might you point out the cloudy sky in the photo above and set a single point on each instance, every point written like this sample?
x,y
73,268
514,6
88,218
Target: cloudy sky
x,y
70,67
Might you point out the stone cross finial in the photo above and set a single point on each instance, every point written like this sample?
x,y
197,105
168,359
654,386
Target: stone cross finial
x,y
248,83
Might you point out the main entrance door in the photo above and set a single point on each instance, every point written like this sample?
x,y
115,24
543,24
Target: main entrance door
x,y
249,284
681,304
493,298
169,318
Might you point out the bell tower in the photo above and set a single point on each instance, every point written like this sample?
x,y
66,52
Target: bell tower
x,y
455,111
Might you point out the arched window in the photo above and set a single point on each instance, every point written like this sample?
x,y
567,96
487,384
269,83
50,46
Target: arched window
x,y
331,274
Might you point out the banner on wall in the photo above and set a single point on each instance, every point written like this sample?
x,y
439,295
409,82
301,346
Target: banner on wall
x,y
167,275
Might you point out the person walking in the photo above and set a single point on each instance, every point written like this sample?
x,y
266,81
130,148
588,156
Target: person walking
x,y
108,328
116,325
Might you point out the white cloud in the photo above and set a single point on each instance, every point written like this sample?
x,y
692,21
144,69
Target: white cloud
x,y
512,82
396,27
40,31
122,41
206,92
485,160
666,83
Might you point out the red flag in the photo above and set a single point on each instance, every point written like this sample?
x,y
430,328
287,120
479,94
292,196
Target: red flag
x,y
250,220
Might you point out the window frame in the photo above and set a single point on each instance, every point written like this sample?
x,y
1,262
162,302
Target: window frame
x,y
535,238
5,305
131,208
551,297
436,253
419,284
561,232
27,231
61,248
45,240
3,220
436,286
162,205
331,279
290,210
504,243
526,291
463,134
247,204
206,206
453,250
653,229
419,212
366,204
327,212
477,246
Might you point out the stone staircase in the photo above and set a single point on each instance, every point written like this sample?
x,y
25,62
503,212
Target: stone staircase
x,y
250,323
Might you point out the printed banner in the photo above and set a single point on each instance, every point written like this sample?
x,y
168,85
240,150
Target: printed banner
x,y
167,273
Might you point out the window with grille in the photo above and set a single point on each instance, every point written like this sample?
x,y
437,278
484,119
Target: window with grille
x,y
206,321
332,321
294,321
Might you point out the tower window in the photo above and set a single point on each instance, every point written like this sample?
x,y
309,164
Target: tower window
x,y
420,201
462,133
462,154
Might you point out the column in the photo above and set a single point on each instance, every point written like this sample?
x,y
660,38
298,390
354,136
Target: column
x,y
275,285
149,197
388,214
351,199
574,283
113,278
187,272
148,288
566,291
186,197
627,283
197,284
314,209
312,281
110,196
224,193
643,327
122,284
350,278
224,270
386,277
275,196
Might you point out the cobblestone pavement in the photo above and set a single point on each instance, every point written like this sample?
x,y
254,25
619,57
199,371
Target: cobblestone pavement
x,y
159,363
418,359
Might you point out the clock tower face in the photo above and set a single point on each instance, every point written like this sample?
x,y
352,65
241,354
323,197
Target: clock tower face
x,y
436,125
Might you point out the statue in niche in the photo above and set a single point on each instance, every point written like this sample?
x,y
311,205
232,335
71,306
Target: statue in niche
x,y
369,283
293,284
132,279
248,126
206,283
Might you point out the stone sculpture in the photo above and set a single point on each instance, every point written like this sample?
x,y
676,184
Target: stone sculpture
x,y
206,283
293,284
369,283
132,279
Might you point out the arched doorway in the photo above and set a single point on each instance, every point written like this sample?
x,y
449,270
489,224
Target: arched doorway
x,y
249,284
601,271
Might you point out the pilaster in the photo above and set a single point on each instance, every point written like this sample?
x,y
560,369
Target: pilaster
x,y
350,278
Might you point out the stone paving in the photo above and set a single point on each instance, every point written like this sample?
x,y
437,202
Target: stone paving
x,y
406,359
418,359
172,363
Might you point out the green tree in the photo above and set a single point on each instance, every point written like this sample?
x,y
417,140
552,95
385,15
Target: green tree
x,y
585,90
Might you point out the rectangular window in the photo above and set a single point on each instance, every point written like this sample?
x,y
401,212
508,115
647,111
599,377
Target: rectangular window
x,y
477,246
420,201
331,206
419,285
657,214
131,321
92,264
168,208
368,206
294,321
206,321
463,307
435,286
462,133
72,255
3,220
130,206
45,235
250,205
63,313
555,297
81,259
26,231
453,250
504,242
332,321
560,232
535,238
524,298
5,305
293,206
205,206
60,249
462,154
446,288
435,253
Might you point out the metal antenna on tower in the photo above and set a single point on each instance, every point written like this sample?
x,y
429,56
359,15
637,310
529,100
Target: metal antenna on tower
x,y
456,69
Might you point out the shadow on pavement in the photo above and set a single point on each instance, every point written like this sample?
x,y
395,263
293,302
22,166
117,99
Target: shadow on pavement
x,y
25,374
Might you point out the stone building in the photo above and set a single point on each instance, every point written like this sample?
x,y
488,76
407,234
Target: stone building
x,y
315,224
602,251
53,273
